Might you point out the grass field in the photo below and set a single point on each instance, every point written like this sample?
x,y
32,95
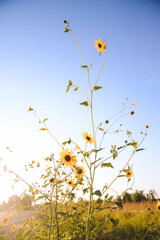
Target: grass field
x,y
137,221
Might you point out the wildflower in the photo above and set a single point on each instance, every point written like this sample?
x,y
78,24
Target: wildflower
x,y
82,160
36,191
6,219
58,173
146,126
30,109
100,45
31,218
33,162
57,161
133,104
129,174
79,172
88,138
67,157
158,205
70,182
132,112
14,226
134,144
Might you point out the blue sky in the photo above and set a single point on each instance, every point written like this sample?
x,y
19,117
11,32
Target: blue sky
x,y
37,59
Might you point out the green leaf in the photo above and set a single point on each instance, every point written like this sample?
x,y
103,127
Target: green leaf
x,y
70,82
110,198
76,89
85,190
106,196
45,119
84,103
67,89
30,189
61,213
140,149
43,129
67,30
96,88
64,143
97,192
115,221
107,165
97,150
118,148
84,66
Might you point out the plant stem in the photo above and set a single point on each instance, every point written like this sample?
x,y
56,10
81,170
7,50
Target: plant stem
x,y
48,130
101,68
77,44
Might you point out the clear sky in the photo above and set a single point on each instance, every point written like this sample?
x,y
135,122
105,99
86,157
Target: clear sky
x,y
37,59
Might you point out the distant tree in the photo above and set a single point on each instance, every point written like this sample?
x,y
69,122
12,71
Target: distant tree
x,y
127,197
13,201
3,206
26,201
152,195
138,196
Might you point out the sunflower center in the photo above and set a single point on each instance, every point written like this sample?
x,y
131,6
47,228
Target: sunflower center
x,y
128,173
159,207
88,138
99,45
70,182
79,171
67,158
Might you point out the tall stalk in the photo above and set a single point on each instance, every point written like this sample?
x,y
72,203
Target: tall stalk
x,y
90,101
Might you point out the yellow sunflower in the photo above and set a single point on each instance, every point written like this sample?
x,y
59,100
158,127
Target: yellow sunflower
x,y
129,174
88,138
67,157
5,219
79,172
70,182
14,226
100,45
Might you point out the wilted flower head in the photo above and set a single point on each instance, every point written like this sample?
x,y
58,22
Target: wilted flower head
x,y
133,104
30,109
134,144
